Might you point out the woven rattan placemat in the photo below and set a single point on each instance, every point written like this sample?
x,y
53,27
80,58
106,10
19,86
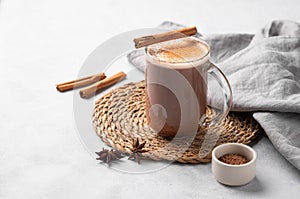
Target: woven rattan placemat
x,y
119,117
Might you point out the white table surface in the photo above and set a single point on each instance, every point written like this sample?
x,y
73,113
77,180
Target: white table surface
x,y
45,42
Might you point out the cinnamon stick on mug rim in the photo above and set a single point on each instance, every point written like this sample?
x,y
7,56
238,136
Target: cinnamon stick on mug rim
x,y
96,87
66,86
171,35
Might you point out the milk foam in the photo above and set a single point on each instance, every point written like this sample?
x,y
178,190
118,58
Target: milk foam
x,y
179,52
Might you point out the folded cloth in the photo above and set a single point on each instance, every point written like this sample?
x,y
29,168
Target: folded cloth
x,y
264,72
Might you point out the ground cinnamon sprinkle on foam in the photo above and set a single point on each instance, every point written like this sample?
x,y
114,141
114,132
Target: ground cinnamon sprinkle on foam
x,y
234,159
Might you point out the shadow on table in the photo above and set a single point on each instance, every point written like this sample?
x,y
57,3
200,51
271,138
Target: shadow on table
x,y
254,186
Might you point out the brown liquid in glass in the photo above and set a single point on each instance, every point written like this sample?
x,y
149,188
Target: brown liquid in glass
x,y
166,120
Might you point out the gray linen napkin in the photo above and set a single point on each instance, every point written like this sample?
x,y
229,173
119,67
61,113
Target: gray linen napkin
x,y
264,72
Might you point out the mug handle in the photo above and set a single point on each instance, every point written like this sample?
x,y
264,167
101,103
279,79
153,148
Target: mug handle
x,y
225,103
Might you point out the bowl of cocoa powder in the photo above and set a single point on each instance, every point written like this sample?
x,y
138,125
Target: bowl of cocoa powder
x,y
234,164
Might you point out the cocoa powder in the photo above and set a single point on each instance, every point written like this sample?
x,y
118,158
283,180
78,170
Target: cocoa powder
x,y
234,159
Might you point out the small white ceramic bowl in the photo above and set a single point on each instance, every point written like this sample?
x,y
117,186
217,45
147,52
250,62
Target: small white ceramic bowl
x,y
234,175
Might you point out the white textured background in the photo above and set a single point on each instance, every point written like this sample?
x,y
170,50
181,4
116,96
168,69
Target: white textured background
x,y
44,42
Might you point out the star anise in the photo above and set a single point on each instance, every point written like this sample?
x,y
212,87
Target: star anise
x,y
137,150
107,156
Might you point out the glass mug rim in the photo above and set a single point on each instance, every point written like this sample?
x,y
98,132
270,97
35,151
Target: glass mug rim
x,y
206,55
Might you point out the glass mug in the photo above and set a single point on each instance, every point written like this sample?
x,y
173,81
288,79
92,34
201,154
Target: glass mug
x,y
177,74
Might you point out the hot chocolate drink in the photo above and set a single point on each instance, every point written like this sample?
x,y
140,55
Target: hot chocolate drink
x,y
176,85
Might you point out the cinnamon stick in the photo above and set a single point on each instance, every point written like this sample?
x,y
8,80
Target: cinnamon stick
x,y
171,35
80,82
96,87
